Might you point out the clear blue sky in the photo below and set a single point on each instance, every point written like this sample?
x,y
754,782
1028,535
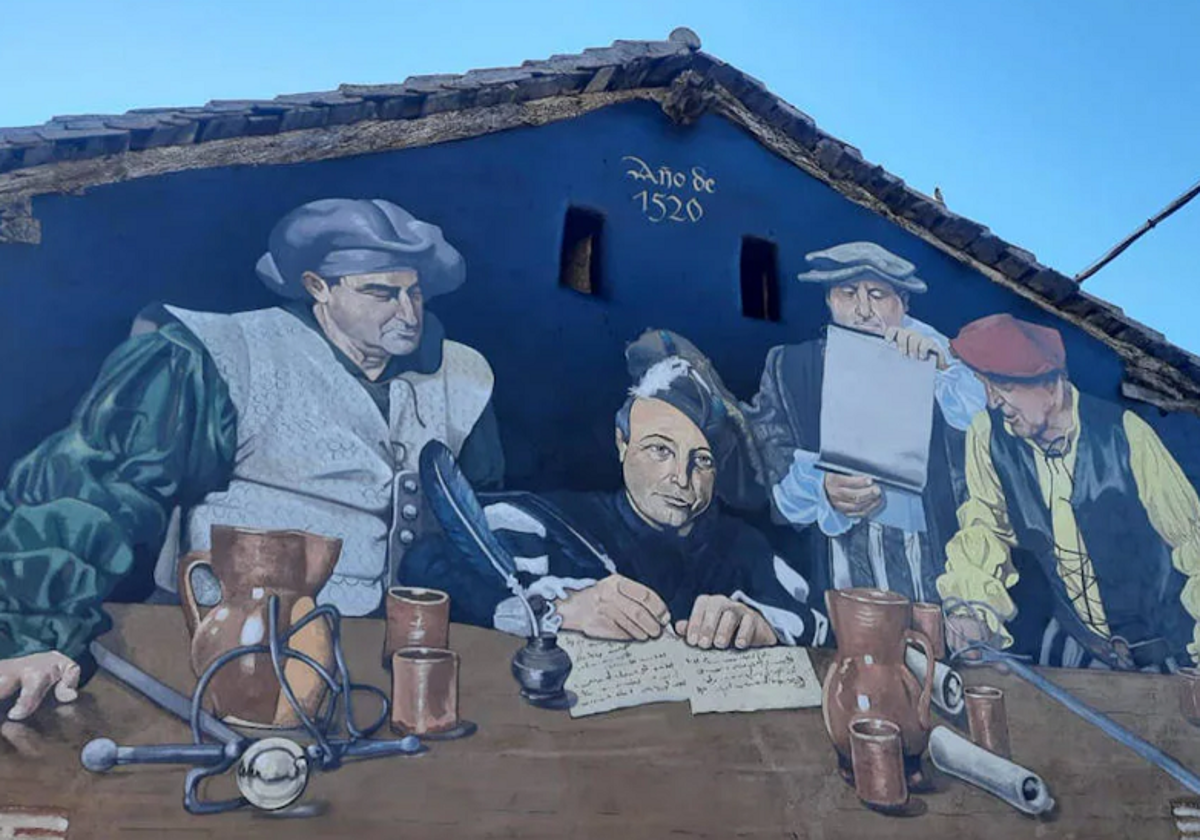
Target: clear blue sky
x,y
1062,125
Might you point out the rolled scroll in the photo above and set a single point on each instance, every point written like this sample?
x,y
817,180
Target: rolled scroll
x,y
947,684
1023,789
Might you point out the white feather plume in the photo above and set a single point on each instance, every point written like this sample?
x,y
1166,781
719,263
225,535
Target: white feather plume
x,y
660,376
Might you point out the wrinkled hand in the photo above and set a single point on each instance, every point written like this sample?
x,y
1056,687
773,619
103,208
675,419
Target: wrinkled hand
x,y
855,496
916,346
962,630
35,675
718,622
615,608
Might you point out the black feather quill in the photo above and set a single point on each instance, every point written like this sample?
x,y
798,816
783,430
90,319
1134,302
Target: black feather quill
x,y
454,504
538,505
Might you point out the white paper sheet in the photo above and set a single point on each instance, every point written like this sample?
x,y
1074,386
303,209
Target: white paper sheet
x,y
613,675
876,410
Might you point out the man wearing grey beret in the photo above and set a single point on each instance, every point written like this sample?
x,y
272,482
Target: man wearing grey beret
x,y
309,415
870,535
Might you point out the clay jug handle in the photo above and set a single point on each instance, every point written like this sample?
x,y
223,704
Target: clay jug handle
x,y
922,641
187,597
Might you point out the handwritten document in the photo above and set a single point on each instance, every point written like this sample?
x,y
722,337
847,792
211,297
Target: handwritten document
x,y
615,675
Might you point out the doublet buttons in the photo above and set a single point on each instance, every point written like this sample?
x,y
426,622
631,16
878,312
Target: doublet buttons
x,y
407,537
409,512
409,485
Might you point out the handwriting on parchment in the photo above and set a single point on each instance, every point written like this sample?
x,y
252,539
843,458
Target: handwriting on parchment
x,y
742,681
670,195
614,675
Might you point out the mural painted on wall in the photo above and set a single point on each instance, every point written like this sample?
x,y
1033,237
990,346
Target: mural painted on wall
x,y
910,499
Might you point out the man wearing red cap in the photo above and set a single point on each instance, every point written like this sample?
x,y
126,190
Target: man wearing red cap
x,y
1088,493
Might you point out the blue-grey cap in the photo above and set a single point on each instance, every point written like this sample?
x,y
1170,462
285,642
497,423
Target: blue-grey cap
x,y
340,237
854,261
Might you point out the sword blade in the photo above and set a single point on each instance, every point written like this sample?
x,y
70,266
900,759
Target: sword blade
x,y
160,694
1105,724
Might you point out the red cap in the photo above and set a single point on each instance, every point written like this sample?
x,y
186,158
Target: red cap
x,y
1002,345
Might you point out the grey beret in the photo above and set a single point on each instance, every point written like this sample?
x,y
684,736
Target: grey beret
x,y
861,261
340,237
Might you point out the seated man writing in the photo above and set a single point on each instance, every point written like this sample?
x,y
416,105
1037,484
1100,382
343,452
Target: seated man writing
x,y
657,552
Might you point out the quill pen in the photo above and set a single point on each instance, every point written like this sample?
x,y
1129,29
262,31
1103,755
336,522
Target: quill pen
x,y
454,504
533,502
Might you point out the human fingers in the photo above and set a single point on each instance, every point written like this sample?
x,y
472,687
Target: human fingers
x,y
625,624
646,597
9,683
647,621
746,633
961,631
850,482
861,495
34,685
860,502
727,625
67,689
764,633
843,494
699,609
704,627
871,505
681,627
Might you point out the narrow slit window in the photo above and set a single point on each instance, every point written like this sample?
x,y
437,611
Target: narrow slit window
x,y
760,279
579,262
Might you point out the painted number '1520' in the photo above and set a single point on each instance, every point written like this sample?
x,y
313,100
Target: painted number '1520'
x,y
658,207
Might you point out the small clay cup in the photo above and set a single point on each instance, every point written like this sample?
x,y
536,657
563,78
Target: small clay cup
x,y
1188,680
424,691
416,618
988,719
927,618
877,755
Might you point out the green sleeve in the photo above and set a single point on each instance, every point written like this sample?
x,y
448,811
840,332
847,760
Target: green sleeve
x,y
88,509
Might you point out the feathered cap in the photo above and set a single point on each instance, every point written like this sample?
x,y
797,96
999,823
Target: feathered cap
x,y
339,237
666,366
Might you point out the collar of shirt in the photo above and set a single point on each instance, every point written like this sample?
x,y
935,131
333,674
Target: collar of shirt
x,y
700,533
1062,449
427,358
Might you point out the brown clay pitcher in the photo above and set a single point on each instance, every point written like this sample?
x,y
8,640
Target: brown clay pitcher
x,y
251,566
868,677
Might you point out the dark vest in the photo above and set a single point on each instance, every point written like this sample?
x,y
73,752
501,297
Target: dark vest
x,y
800,374
1139,587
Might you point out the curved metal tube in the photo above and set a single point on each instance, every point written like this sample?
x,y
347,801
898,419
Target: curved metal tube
x,y
327,753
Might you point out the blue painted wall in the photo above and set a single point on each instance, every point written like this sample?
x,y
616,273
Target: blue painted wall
x,y
192,239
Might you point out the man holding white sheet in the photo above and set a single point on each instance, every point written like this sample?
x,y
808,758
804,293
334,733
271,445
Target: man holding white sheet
x,y
871,535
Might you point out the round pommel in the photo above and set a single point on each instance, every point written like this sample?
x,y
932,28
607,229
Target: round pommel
x,y
273,773
685,36
99,755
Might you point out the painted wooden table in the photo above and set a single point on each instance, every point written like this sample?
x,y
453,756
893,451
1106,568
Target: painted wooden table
x,y
651,772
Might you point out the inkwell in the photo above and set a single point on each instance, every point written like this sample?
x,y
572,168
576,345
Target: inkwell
x,y
541,667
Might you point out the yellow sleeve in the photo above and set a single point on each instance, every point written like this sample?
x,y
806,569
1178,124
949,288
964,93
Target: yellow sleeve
x,y
1172,506
978,562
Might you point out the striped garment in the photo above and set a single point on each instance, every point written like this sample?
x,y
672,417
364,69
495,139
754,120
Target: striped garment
x,y
568,541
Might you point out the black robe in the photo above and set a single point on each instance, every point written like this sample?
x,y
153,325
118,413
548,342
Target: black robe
x,y
720,555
